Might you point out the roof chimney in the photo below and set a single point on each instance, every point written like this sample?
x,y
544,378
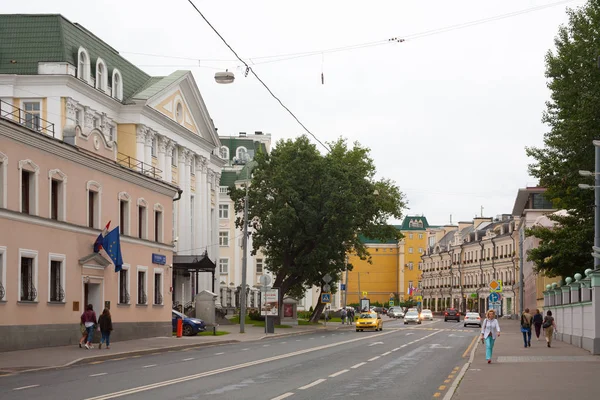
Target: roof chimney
x,y
242,134
258,132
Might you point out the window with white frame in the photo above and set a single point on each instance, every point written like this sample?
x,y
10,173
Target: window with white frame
x,y
193,166
28,275
101,75
3,179
117,85
224,239
420,250
28,177
410,250
124,285
94,193
58,194
410,266
224,152
223,211
142,206
56,277
158,286
410,235
124,213
83,65
158,223
32,115
153,148
174,157
242,153
420,266
223,266
2,273
259,266
78,117
420,236
142,285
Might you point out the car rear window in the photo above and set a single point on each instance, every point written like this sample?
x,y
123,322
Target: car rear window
x,y
412,314
367,316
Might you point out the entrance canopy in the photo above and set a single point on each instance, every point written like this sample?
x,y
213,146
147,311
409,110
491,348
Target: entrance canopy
x,y
195,263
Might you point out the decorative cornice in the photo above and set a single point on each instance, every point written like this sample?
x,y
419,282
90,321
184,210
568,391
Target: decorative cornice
x,y
58,172
150,134
141,132
170,146
31,164
162,144
80,156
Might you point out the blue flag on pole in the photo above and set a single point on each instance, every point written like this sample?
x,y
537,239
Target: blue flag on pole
x,y
111,243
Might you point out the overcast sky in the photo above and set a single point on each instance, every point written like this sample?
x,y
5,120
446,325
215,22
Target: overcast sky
x,y
446,115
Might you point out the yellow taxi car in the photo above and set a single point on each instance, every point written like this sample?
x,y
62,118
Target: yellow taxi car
x,y
369,320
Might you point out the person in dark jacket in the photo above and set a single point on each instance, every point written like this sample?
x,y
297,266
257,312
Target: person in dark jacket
x,y
105,323
89,320
538,319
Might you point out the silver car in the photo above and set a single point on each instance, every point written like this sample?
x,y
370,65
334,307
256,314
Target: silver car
x,y
472,318
426,315
412,316
395,312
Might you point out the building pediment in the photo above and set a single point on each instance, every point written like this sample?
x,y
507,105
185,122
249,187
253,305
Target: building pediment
x,y
178,98
94,259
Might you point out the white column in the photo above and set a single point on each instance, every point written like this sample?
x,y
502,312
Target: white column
x,y
162,149
148,149
202,200
199,244
140,140
168,173
214,244
184,237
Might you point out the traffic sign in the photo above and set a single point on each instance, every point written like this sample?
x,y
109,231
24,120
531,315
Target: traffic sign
x,y
326,287
265,280
496,286
364,294
325,297
391,303
495,297
418,298
327,278
474,295
343,286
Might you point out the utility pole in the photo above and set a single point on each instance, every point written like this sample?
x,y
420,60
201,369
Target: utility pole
x,y
359,292
346,287
244,262
597,203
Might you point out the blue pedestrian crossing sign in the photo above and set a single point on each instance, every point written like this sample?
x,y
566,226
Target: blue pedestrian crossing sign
x,y
325,297
343,286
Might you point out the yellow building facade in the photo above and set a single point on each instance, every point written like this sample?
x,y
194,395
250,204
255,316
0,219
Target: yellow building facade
x,y
414,229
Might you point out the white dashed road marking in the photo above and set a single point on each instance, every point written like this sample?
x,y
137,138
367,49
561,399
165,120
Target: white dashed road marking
x,y
339,373
386,353
218,354
26,387
315,383
358,365
188,359
283,396
373,359
149,366
100,374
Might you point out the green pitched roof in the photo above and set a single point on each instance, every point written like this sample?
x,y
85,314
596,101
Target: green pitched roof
x,y
414,223
233,142
27,39
157,84
366,240
228,178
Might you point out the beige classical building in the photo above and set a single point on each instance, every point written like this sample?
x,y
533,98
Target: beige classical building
x,y
461,262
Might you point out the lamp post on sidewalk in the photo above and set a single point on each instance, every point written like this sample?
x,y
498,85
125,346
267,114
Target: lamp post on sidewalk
x,y
596,187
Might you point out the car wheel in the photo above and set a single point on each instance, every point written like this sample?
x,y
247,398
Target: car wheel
x,y
405,323
187,330
357,330
445,320
419,322
465,325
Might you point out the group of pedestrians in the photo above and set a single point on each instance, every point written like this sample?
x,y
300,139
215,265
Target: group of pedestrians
x,y
490,329
89,324
347,315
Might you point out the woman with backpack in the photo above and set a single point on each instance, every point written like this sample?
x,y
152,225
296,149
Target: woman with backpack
x,y
549,326
105,324
526,319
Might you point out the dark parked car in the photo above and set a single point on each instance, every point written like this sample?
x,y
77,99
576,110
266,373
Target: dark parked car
x,y
191,326
452,313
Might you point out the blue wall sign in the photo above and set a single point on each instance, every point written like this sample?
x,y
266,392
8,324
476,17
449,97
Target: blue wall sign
x,y
159,259
494,297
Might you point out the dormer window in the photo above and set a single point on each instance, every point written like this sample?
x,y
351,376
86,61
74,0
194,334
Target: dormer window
x,y
83,65
242,153
117,85
224,152
101,75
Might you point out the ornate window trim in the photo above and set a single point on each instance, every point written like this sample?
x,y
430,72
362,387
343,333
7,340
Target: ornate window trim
x,y
58,175
101,83
94,187
117,84
63,273
126,197
30,166
83,68
3,180
161,224
34,255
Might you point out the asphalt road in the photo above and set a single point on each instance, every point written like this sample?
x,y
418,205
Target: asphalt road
x,y
403,361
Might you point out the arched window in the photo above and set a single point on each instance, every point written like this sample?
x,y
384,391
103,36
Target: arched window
x,y
117,85
241,153
224,152
101,75
83,65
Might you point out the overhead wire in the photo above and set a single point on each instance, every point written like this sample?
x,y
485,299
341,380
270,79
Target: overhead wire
x,y
249,69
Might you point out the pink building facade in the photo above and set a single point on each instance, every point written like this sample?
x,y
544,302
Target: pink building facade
x,y
55,198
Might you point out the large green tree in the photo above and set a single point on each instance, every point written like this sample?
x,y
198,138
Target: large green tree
x,y
573,115
306,210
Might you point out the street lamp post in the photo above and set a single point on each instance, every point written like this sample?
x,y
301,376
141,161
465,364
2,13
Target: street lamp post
x,y
244,263
596,187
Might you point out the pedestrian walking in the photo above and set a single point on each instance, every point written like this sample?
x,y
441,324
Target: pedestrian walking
x,y
549,326
526,319
343,314
90,321
351,315
490,330
538,320
83,330
105,324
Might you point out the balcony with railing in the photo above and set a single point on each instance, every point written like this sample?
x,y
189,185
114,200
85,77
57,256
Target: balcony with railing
x,y
140,166
30,120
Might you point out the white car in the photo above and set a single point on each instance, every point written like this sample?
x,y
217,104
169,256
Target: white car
x,y
412,316
427,315
472,318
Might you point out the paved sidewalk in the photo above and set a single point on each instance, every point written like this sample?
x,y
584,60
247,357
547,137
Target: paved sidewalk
x,y
536,372
55,357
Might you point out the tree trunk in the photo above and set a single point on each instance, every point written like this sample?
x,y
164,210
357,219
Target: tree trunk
x,y
283,284
314,318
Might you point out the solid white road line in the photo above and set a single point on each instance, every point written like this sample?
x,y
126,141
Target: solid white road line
x,y
149,366
188,378
358,365
386,353
100,374
283,396
245,349
396,349
373,359
339,373
188,359
266,345
26,387
315,383
218,354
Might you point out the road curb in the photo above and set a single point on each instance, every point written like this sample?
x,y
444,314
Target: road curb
x,y
463,371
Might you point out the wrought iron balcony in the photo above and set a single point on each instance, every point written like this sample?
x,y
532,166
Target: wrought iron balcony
x,y
58,294
142,298
2,291
124,297
158,299
28,292
31,121
140,166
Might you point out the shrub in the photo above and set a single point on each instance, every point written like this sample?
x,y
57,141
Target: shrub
x,y
255,315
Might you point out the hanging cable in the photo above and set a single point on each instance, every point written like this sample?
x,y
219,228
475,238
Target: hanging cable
x,y
248,69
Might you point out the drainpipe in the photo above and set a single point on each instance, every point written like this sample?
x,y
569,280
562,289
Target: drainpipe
x,y
482,256
451,275
514,272
494,263
461,266
521,262
179,192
